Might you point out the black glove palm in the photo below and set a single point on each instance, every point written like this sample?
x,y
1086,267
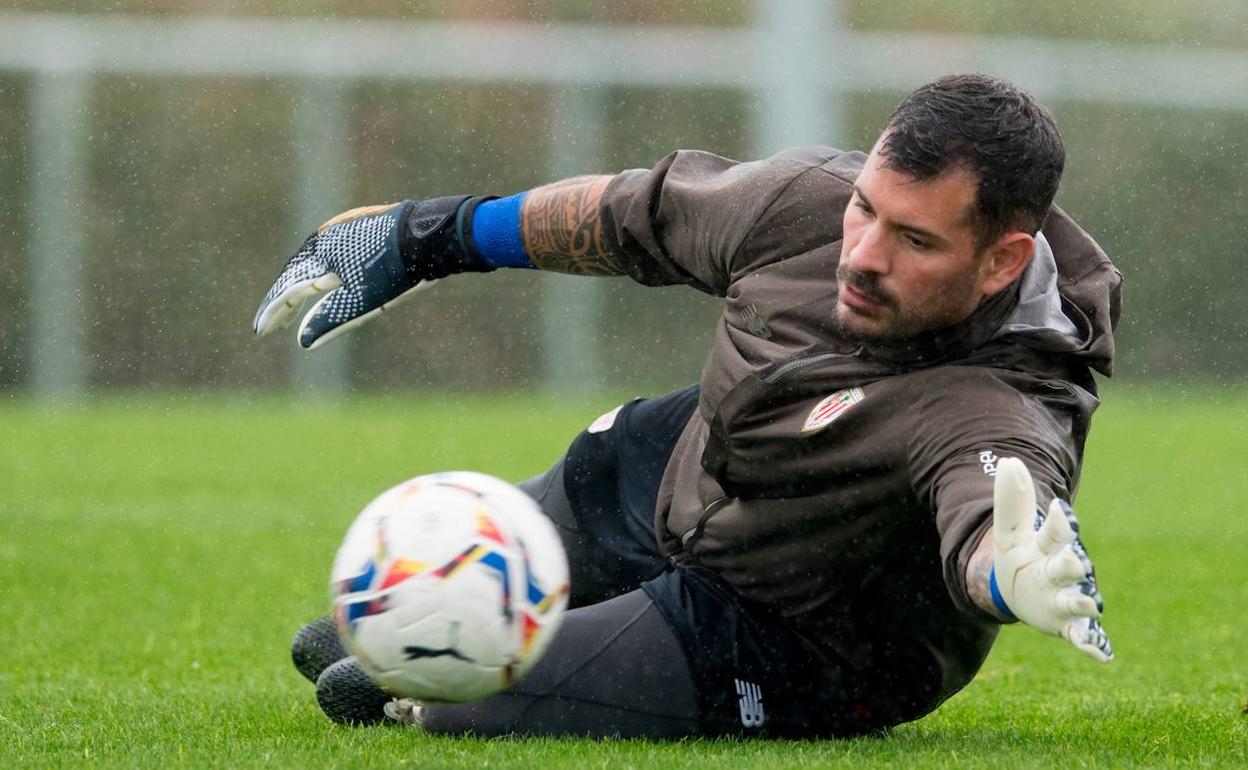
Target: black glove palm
x,y
367,259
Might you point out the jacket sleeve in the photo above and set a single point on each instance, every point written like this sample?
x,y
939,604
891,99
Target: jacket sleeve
x,y
963,430
685,220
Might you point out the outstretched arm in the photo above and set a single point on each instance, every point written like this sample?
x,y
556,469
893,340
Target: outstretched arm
x,y
366,259
561,225
1039,574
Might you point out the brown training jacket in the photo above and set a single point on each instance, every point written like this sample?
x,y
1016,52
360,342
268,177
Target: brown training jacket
x,y
845,486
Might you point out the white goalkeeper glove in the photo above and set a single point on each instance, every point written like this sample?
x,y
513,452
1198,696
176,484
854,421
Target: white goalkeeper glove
x,y
1041,573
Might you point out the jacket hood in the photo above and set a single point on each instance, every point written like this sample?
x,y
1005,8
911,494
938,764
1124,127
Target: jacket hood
x,y
1069,298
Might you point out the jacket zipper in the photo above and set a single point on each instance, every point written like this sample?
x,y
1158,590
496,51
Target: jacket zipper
x,y
784,369
691,535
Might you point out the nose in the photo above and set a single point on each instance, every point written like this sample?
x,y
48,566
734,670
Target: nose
x,y
870,253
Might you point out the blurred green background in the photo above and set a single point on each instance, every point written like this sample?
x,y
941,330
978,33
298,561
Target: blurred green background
x,y
191,199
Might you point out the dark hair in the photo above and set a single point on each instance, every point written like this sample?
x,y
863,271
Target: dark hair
x,y
991,128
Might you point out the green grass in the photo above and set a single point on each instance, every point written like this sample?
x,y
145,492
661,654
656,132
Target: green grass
x,y
157,554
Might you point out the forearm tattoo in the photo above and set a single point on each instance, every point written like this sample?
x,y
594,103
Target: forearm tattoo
x,y
562,228
979,576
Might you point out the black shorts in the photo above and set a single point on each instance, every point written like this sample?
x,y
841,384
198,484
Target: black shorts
x,y
751,674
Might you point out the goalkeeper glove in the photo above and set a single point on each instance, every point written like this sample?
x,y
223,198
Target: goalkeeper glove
x,y
1041,574
367,259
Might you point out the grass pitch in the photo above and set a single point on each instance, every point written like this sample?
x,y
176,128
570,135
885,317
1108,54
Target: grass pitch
x,y
157,555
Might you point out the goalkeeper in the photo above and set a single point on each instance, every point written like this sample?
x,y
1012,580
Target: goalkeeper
x,y
823,537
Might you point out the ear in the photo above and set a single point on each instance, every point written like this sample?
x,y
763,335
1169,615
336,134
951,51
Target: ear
x,y
1005,261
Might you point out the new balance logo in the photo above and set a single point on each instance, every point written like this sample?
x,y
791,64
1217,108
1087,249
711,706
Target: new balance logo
x,y
750,701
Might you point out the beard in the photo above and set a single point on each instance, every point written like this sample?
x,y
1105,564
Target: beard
x,y
897,323
868,285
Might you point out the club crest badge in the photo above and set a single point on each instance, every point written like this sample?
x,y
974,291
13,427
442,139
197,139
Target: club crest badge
x,y
831,407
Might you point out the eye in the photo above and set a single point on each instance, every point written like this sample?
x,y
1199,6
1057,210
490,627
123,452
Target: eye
x,y
862,206
916,243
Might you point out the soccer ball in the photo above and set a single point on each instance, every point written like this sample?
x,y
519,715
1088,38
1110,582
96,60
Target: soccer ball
x,y
449,587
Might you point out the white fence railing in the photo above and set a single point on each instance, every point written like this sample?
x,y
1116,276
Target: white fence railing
x,y
793,54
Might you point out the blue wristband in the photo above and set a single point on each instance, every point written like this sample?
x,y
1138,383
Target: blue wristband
x,y
496,232
997,600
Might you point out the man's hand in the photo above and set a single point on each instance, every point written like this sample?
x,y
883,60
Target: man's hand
x,y
1042,574
367,259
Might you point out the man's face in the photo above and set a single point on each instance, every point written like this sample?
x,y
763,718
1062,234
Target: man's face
x,y
909,262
